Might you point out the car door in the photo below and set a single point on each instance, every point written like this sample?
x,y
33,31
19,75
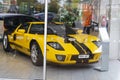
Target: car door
x,y
20,37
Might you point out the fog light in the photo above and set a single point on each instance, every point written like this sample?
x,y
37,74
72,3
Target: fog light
x,y
60,57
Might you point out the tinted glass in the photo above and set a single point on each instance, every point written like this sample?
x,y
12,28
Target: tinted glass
x,y
39,29
61,29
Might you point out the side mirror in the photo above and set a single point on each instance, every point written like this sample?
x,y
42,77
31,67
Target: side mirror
x,y
21,30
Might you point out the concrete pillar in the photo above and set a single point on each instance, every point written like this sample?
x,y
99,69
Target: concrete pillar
x,y
115,30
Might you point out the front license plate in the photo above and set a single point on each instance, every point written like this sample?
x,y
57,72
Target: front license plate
x,y
83,56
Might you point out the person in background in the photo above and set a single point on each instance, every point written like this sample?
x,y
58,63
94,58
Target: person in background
x,y
87,18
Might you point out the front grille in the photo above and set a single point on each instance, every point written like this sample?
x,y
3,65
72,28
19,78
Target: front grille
x,y
82,60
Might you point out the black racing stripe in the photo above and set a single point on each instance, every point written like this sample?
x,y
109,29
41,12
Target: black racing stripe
x,y
77,45
19,46
88,51
80,50
16,45
84,48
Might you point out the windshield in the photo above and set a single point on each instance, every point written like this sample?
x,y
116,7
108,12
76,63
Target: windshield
x,y
61,29
39,29
51,29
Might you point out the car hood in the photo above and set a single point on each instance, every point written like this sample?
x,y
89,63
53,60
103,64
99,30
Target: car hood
x,y
84,41
83,38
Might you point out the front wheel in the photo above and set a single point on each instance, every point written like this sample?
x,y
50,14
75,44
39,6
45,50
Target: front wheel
x,y
36,54
6,45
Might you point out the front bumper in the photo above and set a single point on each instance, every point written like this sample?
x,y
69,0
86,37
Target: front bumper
x,y
75,60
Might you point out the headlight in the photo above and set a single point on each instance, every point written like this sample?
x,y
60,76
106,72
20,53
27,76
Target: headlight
x,y
97,43
60,57
55,45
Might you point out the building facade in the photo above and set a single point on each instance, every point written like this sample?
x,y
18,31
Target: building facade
x,y
5,5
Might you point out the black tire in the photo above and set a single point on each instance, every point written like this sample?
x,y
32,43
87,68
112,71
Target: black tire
x,y
6,44
36,54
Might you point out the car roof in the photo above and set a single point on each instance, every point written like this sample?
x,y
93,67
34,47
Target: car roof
x,y
44,13
2,15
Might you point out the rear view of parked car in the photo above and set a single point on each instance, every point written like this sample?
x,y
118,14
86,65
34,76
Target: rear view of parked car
x,y
9,22
41,16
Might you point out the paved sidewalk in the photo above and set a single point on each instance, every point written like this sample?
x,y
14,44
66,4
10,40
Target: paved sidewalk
x,y
16,66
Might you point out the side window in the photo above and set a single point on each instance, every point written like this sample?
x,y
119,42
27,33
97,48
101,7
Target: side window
x,y
25,26
37,28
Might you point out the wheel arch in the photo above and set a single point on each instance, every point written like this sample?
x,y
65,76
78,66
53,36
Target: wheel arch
x,y
40,58
31,42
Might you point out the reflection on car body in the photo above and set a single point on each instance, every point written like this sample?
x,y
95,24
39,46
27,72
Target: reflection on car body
x,y
64,45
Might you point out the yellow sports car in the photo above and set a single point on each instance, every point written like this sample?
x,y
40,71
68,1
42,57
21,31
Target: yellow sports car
x,y
64,45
